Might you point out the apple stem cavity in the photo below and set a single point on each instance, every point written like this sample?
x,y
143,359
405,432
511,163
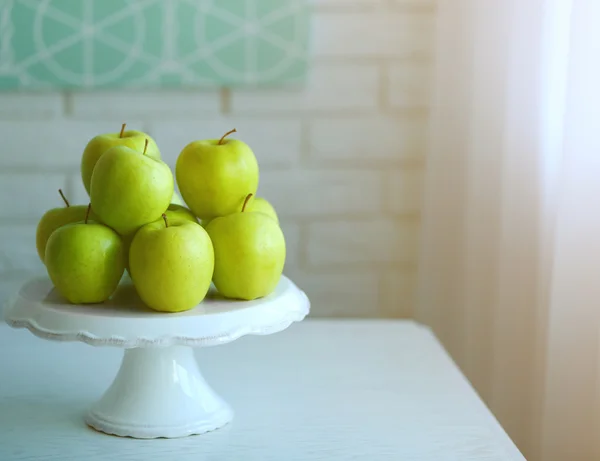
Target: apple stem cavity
x,y
87,213
145,147
164,216
64,198
225,135
248,197
122,130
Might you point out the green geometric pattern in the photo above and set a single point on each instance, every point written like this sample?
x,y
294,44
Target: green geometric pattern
x,y
152,43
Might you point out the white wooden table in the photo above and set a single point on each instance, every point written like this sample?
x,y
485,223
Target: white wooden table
x,y
323,390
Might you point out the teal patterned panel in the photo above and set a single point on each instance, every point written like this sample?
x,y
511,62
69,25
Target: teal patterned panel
x,y
151,43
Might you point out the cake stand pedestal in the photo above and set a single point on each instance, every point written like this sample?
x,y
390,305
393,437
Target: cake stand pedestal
x,y
159,390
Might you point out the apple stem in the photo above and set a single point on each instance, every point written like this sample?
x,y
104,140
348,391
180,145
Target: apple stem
x,y
87,213
225,135
246,202
164,216
122,130
64,198
145,147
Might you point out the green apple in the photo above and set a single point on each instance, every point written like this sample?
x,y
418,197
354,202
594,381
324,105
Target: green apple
x,y
171,264
130,189
180,212
261,205
249,254
253,205
215,175
98,145
172,213
85,261
55,218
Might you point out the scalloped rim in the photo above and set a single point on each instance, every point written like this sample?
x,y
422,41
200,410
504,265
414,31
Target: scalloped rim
x,y
219,419
163,341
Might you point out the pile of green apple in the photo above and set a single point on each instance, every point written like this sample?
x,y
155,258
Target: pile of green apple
x,y
171,247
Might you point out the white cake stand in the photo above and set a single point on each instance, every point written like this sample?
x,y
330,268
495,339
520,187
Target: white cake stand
x,y
158,391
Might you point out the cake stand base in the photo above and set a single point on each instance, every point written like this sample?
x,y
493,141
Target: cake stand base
x,y
159,392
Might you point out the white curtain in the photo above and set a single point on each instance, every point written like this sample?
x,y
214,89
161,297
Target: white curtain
x,y
510,249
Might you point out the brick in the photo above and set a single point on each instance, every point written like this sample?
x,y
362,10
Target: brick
x,y
398,292
421,4
366,140
339,294
9,285
274,142
29,196
330,87
347,5
408,85
30,105
322,193
405,189
76,193
356,242
291,232
56,143
129,104
382,34
17,249
348,2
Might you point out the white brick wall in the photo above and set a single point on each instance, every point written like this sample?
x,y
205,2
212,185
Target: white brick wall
x,y
366,140
144,104
323,194
25,197
341,157
18,257
17,106
408,86
367,35
332,87
361,242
